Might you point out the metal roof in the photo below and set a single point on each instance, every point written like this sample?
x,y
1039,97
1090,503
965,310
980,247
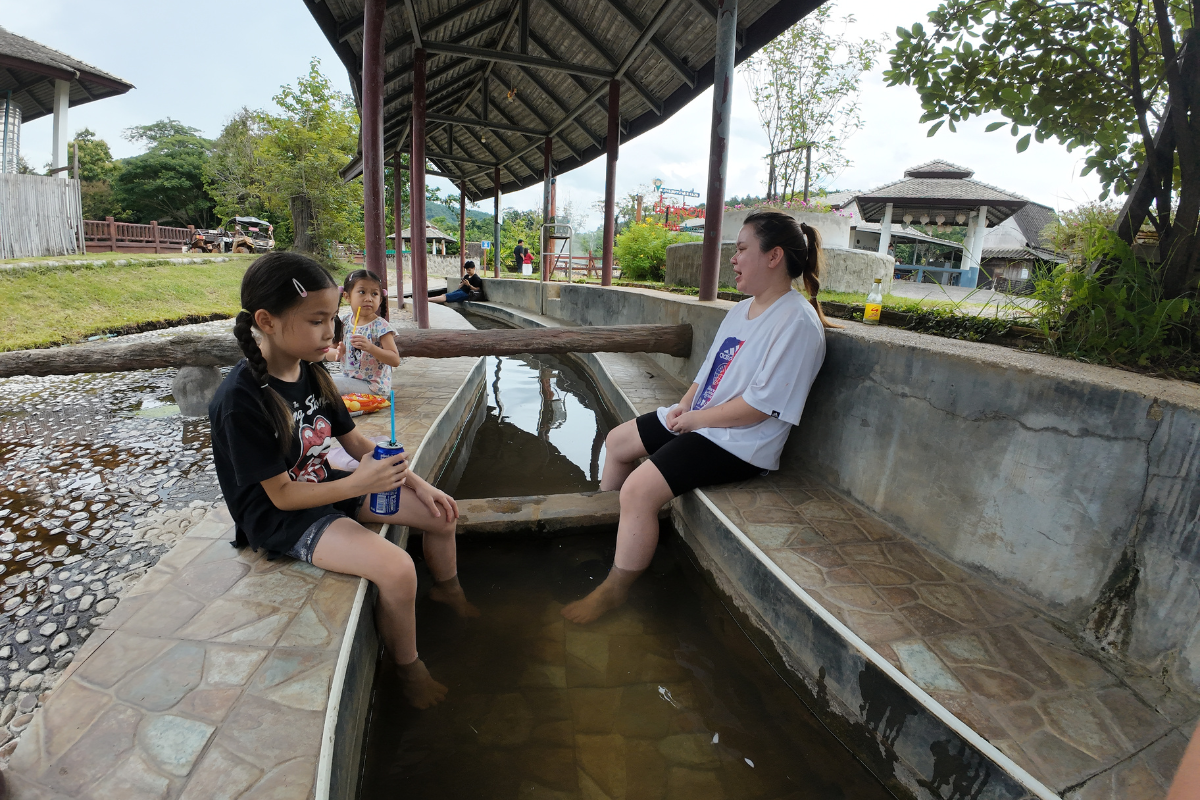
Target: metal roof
x,y
901,232
557,84
938,187
28,69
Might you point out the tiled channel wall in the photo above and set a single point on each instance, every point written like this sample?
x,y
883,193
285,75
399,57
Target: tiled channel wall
x,y
1075,484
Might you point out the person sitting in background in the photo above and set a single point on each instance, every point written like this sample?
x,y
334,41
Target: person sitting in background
x,y
469,283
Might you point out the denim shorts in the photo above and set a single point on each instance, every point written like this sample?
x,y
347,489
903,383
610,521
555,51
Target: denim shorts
x,y
306,545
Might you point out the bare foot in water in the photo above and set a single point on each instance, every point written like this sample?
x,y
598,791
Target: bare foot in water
x,y
451,593
604,598
419,687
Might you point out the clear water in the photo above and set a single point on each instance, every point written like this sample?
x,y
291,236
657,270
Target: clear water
x,y
541,431
665,698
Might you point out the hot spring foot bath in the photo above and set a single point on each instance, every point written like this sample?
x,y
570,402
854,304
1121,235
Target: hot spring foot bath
x,y
663,698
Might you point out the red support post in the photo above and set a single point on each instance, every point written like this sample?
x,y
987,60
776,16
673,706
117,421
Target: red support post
x,y
547,163
462,229
154,234
398,224
416,195
610,180
112,234
496,224
375,250
718,147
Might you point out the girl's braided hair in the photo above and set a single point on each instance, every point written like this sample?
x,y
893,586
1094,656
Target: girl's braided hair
x,y
274,283
801,245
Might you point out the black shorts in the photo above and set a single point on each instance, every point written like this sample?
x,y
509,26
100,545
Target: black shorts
x,y
688,460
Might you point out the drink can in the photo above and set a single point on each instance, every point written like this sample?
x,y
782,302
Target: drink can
x,y
386,503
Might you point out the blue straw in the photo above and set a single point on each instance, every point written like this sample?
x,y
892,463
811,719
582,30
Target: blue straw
x,y
392,398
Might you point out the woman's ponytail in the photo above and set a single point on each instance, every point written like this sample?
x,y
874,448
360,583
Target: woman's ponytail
x,y
814,265
802,252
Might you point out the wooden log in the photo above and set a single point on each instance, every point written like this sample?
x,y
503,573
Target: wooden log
x,y
673,340
216,351
170,351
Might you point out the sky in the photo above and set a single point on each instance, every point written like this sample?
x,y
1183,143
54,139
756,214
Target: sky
x,y
203,79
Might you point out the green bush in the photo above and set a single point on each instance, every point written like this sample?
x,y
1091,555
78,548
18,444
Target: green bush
x,y
642,250
1117,313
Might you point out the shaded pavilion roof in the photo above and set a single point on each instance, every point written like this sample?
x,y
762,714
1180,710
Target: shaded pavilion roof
x,y
558,85
28,69
938,187
431,232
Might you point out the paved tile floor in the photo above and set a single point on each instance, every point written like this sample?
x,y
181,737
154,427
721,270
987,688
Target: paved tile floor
x,y
1073,718
211,677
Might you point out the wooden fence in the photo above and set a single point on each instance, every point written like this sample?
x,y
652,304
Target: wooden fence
x,y
39,216
111,236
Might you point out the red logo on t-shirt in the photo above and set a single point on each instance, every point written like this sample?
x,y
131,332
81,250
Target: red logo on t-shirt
x,y
315,444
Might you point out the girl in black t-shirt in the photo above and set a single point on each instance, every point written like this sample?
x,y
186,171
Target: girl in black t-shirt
x,y
274,421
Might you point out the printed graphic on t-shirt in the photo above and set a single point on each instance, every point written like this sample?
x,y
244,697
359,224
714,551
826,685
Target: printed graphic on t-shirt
x,y
724,357
316,441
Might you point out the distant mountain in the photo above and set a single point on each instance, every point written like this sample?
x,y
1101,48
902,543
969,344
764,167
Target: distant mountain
x,y
435,210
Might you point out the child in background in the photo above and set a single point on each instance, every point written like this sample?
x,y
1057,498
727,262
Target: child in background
x,y
367,349
274,420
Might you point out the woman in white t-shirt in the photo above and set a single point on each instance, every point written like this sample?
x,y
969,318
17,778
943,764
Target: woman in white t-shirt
x,y
734,420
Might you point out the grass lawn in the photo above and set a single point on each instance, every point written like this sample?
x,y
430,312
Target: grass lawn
x,y
57,305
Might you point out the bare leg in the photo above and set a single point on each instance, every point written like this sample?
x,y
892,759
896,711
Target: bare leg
x,y
622,449
438,298
438,545
644,493
350,548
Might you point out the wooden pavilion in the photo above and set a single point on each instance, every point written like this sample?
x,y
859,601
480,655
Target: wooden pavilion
x,y
37,81
939,192
500,95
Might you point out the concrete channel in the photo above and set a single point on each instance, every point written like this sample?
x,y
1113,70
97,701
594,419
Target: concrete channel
x,y
973,567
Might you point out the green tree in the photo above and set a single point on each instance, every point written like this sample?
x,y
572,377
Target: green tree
x,y
233,173
167,182
155,132
805,85
642,250
1114,78
97,168
301,150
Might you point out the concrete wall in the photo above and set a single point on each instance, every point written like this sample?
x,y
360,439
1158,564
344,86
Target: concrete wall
x,y
1075,484
439,266
834,229
845,270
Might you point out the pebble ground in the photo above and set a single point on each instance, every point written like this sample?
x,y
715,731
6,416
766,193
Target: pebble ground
x,y
99,477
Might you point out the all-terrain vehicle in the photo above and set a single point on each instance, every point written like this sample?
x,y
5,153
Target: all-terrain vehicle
x,y
237,235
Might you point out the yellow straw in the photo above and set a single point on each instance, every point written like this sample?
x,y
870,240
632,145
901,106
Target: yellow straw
x,y
357,311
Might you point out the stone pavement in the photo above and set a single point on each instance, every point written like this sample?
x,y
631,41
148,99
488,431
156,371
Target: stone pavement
x,y
211,677
1086,724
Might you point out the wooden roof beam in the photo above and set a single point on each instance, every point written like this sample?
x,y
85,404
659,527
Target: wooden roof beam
x,y
499,109
558,101
638,46
668,55
582,31
489,125
456,158
505,57
603,106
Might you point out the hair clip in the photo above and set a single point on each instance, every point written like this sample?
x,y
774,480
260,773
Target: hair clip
x,y
299,288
